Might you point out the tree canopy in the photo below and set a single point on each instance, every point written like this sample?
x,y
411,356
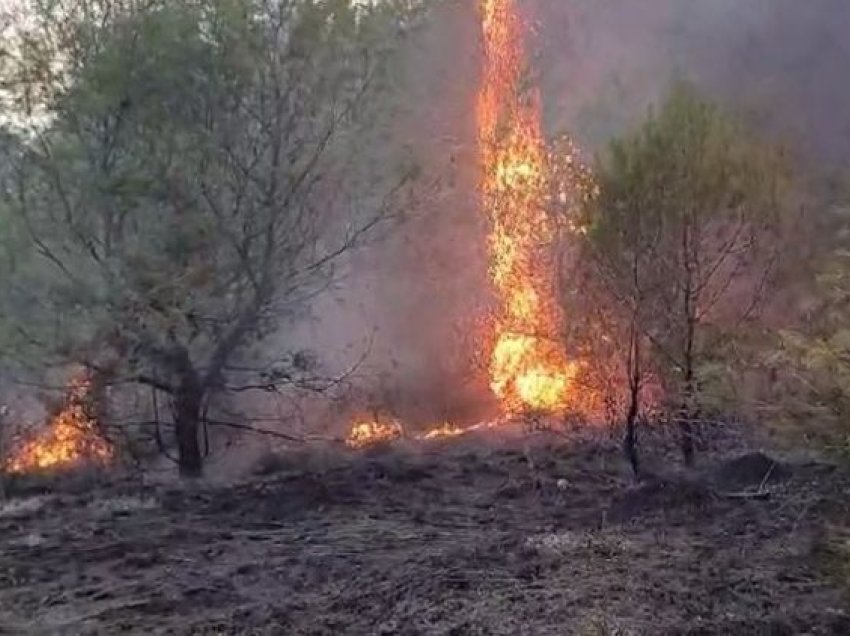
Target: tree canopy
x,y
683,235
191,182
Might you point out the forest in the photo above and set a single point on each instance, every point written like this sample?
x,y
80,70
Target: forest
x,y
424,317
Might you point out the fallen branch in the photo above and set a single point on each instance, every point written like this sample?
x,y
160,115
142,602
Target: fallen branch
x,y
243,427
254,429
758,495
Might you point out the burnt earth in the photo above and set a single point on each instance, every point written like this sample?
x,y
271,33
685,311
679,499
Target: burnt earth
x,y
457,538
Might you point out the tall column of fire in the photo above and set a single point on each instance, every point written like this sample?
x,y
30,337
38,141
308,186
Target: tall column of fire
x,y
528,369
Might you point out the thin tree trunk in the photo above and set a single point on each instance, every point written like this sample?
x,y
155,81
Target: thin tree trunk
x,y
96,402
689,411
686,429
630,440
686,425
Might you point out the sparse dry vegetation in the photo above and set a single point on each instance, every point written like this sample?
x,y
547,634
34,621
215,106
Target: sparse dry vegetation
x,y
459,538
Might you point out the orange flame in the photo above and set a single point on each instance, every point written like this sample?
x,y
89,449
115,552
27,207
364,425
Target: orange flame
x,y
71,437
528,368
366,432
445,430
381,430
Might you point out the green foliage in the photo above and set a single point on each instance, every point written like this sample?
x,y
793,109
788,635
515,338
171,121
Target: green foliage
x,y
812,365
169,203
684,231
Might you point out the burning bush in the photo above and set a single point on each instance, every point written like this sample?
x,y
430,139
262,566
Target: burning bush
x,y
376,430
71,437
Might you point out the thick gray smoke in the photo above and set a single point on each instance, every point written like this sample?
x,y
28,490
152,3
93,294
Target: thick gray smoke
x,y
781,63
410,300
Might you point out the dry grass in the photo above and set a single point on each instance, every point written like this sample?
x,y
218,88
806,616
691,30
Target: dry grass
x,y
835,556
458,538
17,508
122,505
600,626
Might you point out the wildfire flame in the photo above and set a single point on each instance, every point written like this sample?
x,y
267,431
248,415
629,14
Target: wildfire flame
x,y
366,432
447,429
528,368
72,436
369,432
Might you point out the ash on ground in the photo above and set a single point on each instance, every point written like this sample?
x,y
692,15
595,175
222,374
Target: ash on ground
x,y
462,538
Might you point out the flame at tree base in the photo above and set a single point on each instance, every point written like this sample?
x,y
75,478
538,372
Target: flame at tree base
x,y
529,370
72,437
531,374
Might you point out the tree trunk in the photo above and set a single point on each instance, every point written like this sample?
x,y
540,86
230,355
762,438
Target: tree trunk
x,y
96,403
630,440
188,400
686,425
687,439
686,428
635,380
687,416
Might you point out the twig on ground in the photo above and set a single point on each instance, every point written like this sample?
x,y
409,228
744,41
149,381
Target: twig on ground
x,y
759,495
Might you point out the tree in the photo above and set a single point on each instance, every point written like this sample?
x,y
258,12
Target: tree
x,y
192,181
684,237
605,272
809,364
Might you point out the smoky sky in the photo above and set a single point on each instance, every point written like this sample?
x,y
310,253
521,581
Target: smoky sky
x,y
780,63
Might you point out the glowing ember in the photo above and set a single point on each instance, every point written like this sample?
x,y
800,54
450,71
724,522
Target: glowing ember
x,y
370,432
446,430
528,368
72,436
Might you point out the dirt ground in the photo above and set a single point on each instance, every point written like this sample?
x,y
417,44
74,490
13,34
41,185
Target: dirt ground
x,y
468,536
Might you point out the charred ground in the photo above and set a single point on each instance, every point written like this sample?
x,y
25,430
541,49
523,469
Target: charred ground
x,y
466,537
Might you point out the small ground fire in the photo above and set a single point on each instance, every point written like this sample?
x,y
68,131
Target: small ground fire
x,y
381,430
368,431
71,437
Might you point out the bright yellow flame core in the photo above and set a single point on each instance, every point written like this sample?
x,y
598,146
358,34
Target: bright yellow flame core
x,y
72,436
531,372
528,368
365,433
447,429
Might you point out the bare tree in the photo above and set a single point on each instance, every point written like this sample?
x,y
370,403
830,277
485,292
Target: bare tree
x,y
684,238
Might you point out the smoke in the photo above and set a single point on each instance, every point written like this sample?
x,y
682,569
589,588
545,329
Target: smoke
x,y
411,301
780,63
